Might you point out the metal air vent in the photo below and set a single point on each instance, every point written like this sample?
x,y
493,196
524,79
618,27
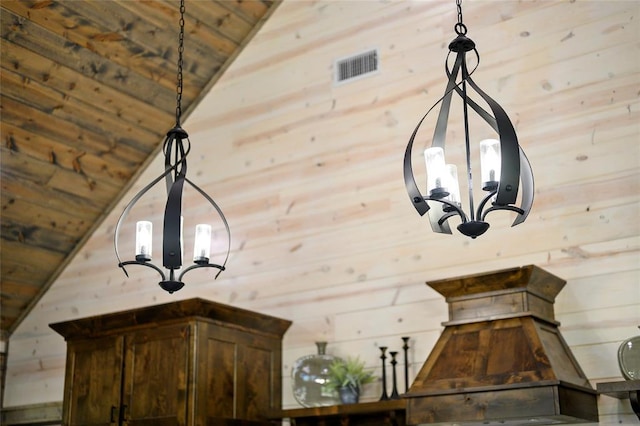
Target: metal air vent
x,y
356,66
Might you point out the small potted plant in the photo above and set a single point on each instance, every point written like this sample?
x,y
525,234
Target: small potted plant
x,y
348,376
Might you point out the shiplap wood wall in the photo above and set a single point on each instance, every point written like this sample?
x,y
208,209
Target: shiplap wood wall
x,y
309,176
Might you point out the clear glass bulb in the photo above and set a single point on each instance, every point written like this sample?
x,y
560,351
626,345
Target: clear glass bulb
x,y
436,172
453,184
144,236
490,163
202,244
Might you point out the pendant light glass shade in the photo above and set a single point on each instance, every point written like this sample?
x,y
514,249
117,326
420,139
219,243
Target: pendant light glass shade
x,y
453,185
490,163
202,243
144,239
436,172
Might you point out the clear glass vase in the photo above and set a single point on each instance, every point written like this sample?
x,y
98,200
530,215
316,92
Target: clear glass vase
x,y
311,382
629,358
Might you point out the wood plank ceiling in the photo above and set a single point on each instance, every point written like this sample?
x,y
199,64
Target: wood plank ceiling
x,y
88,91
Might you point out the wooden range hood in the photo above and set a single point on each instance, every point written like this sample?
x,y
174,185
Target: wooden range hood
x,y
501,359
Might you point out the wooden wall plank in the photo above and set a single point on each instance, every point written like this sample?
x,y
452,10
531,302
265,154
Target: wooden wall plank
x,y
12,189
21,269
95,28
158,12
47,174
38,96
218,17
74,84
250,11
83,60
76,159
120,150
59,221
38,414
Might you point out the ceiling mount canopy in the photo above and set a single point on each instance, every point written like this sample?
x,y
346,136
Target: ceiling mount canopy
x,y
504,167
176,147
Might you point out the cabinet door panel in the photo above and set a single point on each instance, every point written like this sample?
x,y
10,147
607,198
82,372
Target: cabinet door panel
x,y
94,378
156,373
255,377
240,382
221,376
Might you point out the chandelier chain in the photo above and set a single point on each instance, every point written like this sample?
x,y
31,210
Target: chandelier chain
x,y
180,51
460,28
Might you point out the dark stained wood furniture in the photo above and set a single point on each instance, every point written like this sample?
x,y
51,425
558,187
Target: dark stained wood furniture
x,y
625,389
501,355
381,413
191,362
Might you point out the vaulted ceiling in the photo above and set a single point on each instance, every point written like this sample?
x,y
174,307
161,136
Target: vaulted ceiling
x,y
88,91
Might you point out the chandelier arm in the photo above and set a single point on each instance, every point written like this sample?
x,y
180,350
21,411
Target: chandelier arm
x,y
207,265
437,224
440,131
449,72
417,199
172,226
128,207
150,265
167,148
484,201
526,176
454,210
224,221
177,135
446,217
181,156
415,195
491,121
172,229
483,113
438,219
510,208
465,115
509,151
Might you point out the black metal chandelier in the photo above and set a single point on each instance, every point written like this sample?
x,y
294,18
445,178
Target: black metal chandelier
x,y
504,166
175,175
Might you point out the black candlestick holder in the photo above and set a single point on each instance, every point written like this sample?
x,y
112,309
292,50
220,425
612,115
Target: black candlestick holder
x,y
394,392
383,357
405,347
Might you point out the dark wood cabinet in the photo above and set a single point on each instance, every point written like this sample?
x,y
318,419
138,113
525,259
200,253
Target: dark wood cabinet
x,y
192,362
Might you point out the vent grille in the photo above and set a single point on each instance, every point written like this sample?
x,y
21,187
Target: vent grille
x,y
356,66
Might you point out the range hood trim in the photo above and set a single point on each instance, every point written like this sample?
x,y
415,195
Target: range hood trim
x,y
499,317
491,388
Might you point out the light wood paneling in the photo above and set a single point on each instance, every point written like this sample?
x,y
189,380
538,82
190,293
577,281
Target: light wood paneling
x,y
309,176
